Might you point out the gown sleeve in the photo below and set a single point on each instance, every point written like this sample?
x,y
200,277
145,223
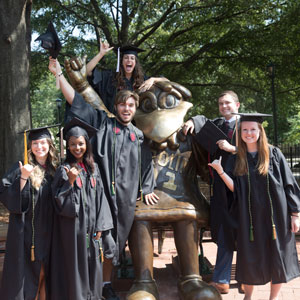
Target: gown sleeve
x,y
104,218
13,199
86,112
199,122
64,196
147,171
291,188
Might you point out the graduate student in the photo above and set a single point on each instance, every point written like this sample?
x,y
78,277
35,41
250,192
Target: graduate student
x,y
82,220
129,74
125,165
25,190
216,145
268,205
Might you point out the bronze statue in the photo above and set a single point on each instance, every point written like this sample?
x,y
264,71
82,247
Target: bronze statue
x,y
178,162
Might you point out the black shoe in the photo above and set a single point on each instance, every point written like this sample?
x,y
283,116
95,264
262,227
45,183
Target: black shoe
x,y
108,292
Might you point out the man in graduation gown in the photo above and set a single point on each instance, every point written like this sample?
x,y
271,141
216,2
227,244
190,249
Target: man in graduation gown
x,y
119,152
221,222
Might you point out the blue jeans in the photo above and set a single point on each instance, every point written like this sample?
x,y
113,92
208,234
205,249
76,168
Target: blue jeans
x,y
222,271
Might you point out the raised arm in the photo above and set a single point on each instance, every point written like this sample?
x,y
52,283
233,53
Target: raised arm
x,y
66,88
216,164
104,48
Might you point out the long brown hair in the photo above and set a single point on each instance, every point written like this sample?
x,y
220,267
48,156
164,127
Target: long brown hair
x,y
38,174
137,75
241,166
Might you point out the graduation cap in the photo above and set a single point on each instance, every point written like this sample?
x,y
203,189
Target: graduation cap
x,y
36,134
77,128
252,117
208,136
50,41
128,49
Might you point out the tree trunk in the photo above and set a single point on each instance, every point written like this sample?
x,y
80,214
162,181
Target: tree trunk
x,y
15,36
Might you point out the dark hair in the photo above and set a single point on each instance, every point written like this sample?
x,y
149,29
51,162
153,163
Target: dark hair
x,y
88,158
123,95
230,93
137,75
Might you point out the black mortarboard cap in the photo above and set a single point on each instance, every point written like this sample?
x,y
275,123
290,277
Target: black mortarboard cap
x,y
208,136
129,49
39,133
77,128
252,117
50,41
36,134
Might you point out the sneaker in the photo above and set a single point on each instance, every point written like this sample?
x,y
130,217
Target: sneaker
x,y
108,292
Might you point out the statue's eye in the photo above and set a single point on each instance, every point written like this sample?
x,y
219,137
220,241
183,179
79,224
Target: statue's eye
x,y
146,105
167,101
148,102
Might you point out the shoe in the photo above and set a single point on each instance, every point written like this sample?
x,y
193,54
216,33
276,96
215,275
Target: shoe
x,y
223,288
108,292
241,288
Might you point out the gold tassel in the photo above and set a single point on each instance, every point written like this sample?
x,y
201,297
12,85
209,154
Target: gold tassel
x,y
101,255
25,149
141,191
251,234
32,253
274,232
113,192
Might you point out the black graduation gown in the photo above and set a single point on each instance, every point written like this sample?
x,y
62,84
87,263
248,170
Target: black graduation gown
x,y
20,278
221,198
126,170
264,259
105,84
80,211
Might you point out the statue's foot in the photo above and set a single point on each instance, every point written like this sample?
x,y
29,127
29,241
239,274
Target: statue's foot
x,y
143,290
192,287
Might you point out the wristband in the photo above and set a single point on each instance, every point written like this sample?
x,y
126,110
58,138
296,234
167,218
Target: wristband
x,y
23,178
221,173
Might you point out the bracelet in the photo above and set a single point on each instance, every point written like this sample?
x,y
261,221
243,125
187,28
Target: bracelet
x,y
23,178
221,173
294,215
60,74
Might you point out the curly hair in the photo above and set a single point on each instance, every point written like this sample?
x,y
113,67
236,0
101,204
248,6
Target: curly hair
x,y
263,154
88,158
137,75
38,174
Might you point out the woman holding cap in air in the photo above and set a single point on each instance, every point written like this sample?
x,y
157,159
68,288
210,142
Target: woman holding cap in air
x,y
129,74
82,220
26,192
268,205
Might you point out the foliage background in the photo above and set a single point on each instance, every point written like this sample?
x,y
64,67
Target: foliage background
x,y
208,46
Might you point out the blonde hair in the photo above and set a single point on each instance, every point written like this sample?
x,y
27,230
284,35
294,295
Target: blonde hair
x,y
241,165
38,174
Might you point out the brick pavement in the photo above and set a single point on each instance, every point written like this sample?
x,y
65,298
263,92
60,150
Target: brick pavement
x,y
166,276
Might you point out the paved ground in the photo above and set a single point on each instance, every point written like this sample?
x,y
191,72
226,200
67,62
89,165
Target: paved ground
x,y
166,275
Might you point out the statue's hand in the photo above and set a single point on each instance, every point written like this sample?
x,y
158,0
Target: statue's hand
x,y
76,70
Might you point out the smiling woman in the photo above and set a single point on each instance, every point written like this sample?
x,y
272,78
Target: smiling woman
x,y
129,74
